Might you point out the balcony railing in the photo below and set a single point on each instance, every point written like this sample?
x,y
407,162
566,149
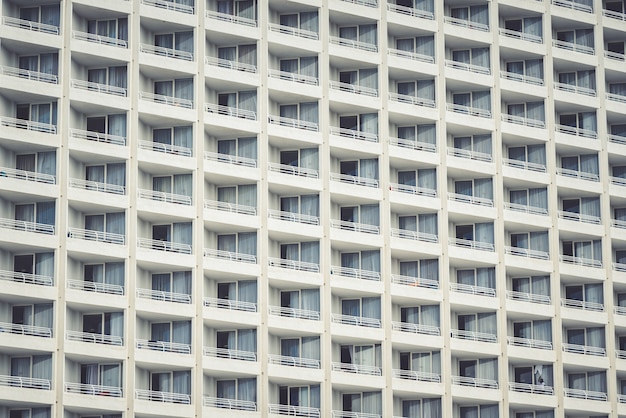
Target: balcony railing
x,y
584,349
97,187
355,226
575,89
233,65
473,290
620,354
614,15
294,313
358,181
579,217
228,354
524,165
355,320
112,289
572,130
26,226
99,39
521,35
98,88
165,148
474,382
466,23
618,181
414,281
573,5
230,255
293,123
29,75
95,390
293,170
529,343
230,159
230,111
464,66
419,191
90,337
166,100
571,46
468,110
168,246
412,100
98,236
225,403
294,361
518,120
162,296
363,46
414,235
294,77
581,304
411,144
293,265
415,328
356,368
166,52
616,223
417,376
26,278
163,346
526,252
25,382
352,134
580,261
620,310
346,414
28,125
29,330
28,25
408,11
355,273
225,17
165,397
98,137
516,207
164,197
170,5
368,3
229,207
585,394
291,31
521,78
474,336
472,155
528,297
583,175
415,56
474,245
614,55
528,388
353,88
234,305
294,411
474,200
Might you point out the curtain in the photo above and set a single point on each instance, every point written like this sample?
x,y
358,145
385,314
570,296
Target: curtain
x,y
117,125
584,37
535,111
369,123
486,277
116,323
367,34
479,14
587,121
310,252
310,299
541,285
590,206
25,213
183,136
309,21
47,162
488,368
483,188
425,45
181,332
246,195
426,89
487,323
428,223
309,112
184,41
44,264
596,381
481,99
489,411
42,367
48,63
369,168
181,382
161,282
45,413
117,76
309,158
482,143
351,307
110,375
228,53
432,407
463,56
371,307
427,134
181,282
114,273
430,315
480,57
182,233
246,389
308,66
372,403
539,241
534,68
183,88
116,223
225,389
248,100
116,174
370,260
247,54
183,184
597,250
595,337
542,330
164,41
537,154
538,198
532,26
43,315
368,77
370,214
246,340
89,374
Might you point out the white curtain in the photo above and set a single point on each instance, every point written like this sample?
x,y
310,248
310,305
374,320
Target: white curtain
x,y
181,332
182,233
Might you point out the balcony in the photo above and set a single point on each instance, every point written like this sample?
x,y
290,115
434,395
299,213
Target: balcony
x,y
87,286
466,23
356,369
294,411
293,123
518,120
570,46
585,394
98,236
353,88
293,265
293,77
412,100
169,5
228,354
26,226
572,130
293,170
99,39
474,245
163,346
473,290
579,217
418,191
528,297
291,31
166,100
408,11
94,390
225,403
26,278
166,52
414,235
230,111
474,336
355,227
473,200
162,296
164,197
234,305
472,155
229,207
165,148
416,376
580,261
355,320
355,273
88,337
414,281
97,187
474,382
414,56
294,361
583,305
529,343
415,328
414,145
584,349
28,125
351,134
358,181
28,25
230,256
165,397
468,67
25,382
349,43
346,414
28,330
524,165
230,159
528,388
225,17
232,65
583,175
467,110
525,252
98,88
521,78
167,246
98,137
521,35
573,5
29,75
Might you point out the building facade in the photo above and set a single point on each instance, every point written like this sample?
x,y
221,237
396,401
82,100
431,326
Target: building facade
x,y
314,208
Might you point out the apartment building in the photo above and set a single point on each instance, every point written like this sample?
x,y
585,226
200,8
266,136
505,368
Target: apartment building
x,y
313,208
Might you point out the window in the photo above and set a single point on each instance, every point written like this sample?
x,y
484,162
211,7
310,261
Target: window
x,y
475,56
580,37
479,411
478,14
614,6
615,48
365,402
528,71
101,374
242,291
32,413
484,322
364,78
475,99
426,134
42,63
587,206
307,112
534,198
178,184
534,111
41,264
587,163
424,315
304,299
171,382
584,120
45,113
306,252
535,285
35,367
482,277
533,241
241,8
240,389
48,14
104,324
179,41
591,337
424,223
305,157
112,174
179,136
591,293
242,194
111,76
365,214
585,79
540,375
108,124
239,340
305,347
112,28
364,260
303,396
421,362
244,148
423,46
425,5
364,307
366,122
366,168
425,178
109,223
241,54
306,66
422,89
244,100
480,188
362,33
39,315
484,369
180,233
425,269
41,213
362,355
242,242
307,21
426,407
588,250
589,381
178,332
534,154
469,146
106,277
540,330
176,282
181,88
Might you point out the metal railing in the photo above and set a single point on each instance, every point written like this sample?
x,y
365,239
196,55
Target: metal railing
x,y
363,46
225,17
165,148
288,30
229,159
617,139
25,382
295,77
162,296
99,236
583,175
164,197
26,278
355,226
229,354
90,337
526,252
584,349
572,130
26,226
413,144
234,305
293,170
529,343
355,273
293,123
518,120
528,388
293,265
528,297
99,39
166,52
170,5
414,281
417,376
472,155
166,100
524,165
355,320
168,246
415,328
466,23
294,411
468,110
521,35
614,15
411,55
616,223
474,382
521,78
112,289
618,181
28,74
614,55
356,368
368,3
98,137
464,66
346,414
230,111
570,46
575,89
232,65
29,330
585,394
525,208
412,100
230,255
358,181
620,310
573,5
353,88
474,200
28,125
225,403
419,191
475,245
163,346
32,26
414,235
294,313
473,290
165,397
95,390
579,217
97,187
229,207
581,304
474,336
408,11
294,361
580,261
98,88
352,134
